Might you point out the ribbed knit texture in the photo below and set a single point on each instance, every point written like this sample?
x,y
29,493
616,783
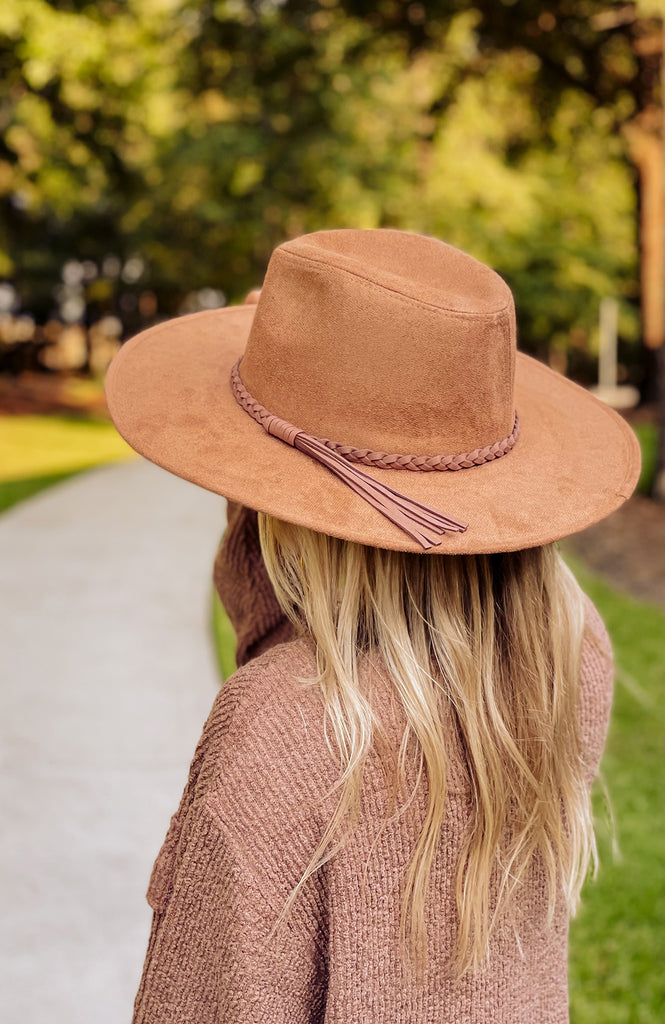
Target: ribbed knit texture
x,y
250,817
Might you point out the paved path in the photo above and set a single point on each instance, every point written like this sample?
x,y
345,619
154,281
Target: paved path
x,y
107,675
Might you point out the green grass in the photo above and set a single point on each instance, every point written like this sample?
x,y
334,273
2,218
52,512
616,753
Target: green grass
x,y
13,491
37,452
617,944
648,438
224,637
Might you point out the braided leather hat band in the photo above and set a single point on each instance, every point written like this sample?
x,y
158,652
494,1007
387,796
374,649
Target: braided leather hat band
x,y
427,463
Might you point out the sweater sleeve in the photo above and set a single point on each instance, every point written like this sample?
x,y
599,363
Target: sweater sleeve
x,y
596,689
209,957
245,590
216,890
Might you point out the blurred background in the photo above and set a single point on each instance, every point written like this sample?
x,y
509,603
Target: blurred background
x,y
154,152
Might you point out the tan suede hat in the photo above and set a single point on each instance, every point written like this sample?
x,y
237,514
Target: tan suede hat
x,y
375,393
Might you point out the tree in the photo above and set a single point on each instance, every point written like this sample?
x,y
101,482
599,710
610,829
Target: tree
x,y
200,135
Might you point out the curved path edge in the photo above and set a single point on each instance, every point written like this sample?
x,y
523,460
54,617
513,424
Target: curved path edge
x,y
107,674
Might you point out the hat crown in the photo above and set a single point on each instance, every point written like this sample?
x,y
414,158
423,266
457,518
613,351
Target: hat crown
x,y
386,340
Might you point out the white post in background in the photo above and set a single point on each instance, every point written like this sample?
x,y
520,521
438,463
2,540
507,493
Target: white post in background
x,y
619,396
607,349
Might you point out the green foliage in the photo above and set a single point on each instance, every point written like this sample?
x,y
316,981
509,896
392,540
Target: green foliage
x,y
551,207
200,135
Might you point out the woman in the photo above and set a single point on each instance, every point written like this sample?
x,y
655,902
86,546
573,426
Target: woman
x,y
387,817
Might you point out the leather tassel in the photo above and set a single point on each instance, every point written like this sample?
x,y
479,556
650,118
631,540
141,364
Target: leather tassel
x,y
405,512
422,522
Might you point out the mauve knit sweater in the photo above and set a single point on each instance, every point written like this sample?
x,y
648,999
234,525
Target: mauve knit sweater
x,y
250,817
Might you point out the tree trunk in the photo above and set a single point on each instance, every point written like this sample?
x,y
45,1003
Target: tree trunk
x,y
658,484
648,152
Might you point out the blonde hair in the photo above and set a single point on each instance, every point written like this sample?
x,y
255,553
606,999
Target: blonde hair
x,y
494,640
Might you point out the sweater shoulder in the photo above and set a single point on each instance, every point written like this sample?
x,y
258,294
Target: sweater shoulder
x,y
266,727
265,691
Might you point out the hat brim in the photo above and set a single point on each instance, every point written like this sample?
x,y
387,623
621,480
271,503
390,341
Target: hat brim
x,y
169,395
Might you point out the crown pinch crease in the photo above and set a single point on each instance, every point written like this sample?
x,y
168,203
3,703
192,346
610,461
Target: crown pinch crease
x,y
423,523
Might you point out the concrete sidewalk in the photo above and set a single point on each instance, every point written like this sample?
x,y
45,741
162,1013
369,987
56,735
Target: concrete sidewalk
x,y
107,675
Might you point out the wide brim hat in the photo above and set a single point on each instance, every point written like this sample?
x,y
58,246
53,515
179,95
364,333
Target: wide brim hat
x,y
377,377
